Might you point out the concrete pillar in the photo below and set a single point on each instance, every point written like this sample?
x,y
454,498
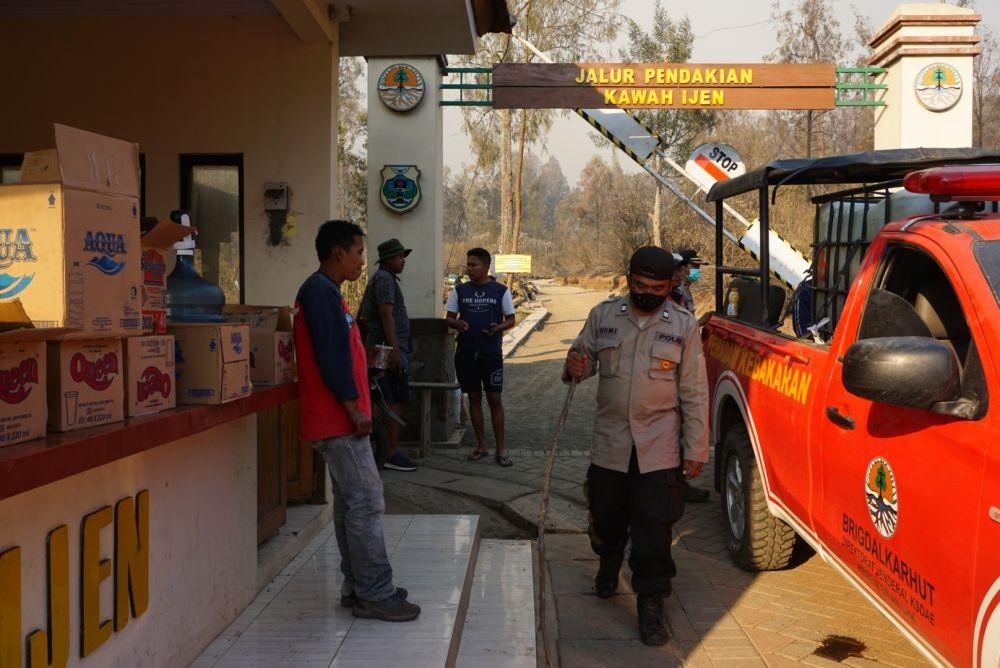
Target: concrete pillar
x,y
412,137
924,43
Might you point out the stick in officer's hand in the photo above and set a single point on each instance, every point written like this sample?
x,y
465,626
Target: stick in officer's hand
x,y
544,509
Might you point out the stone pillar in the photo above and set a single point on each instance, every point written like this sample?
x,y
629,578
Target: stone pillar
x,y
413,137
928,50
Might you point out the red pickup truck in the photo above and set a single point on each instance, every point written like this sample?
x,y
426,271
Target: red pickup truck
x,y
871,433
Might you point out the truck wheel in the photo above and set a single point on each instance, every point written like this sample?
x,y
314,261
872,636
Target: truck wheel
x,y
758,540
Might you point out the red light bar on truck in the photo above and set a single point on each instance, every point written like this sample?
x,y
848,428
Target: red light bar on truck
x,y
970,183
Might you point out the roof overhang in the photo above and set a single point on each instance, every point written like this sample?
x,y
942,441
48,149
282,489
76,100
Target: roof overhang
x,y
422,28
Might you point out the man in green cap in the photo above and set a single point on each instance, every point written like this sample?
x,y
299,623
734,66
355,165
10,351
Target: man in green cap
x,y
383,313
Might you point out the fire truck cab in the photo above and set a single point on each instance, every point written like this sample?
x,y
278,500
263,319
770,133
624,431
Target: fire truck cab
x,y
872,432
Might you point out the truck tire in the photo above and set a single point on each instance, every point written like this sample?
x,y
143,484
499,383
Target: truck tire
x,y
758,540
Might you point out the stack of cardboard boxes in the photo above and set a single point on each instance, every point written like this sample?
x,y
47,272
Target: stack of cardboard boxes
x,y
83,330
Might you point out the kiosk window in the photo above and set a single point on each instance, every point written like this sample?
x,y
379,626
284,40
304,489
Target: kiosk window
x,y
212,190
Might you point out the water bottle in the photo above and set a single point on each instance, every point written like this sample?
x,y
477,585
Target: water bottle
x,y
190,298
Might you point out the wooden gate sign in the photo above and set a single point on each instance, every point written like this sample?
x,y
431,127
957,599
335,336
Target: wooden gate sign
x,y
664,86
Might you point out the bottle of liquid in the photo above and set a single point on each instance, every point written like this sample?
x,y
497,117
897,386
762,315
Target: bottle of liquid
x,y
733,299
74,297
190,298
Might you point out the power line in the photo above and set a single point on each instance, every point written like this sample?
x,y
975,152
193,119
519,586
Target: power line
x,y
748,25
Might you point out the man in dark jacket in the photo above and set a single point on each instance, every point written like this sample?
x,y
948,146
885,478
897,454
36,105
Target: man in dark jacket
x,y
383,312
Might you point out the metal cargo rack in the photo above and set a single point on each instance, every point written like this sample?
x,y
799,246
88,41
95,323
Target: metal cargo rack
x,y
876,177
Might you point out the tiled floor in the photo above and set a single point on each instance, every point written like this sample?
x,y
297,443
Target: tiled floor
x,y
297,619
500,625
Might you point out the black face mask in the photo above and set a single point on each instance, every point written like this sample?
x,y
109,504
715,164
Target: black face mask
x,y
646,302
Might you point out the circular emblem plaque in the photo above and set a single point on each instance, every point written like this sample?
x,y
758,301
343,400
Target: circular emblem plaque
x,y
882,496
938,87
401,87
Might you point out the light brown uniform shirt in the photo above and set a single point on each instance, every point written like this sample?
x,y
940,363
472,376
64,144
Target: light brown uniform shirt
x,y
646,373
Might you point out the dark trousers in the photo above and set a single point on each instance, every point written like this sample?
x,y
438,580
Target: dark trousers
x,y
643,505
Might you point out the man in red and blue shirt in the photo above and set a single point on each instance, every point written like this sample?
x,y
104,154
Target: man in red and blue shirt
x,y
335,416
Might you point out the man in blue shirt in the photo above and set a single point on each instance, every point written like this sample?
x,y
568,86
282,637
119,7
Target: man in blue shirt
x,y
481,310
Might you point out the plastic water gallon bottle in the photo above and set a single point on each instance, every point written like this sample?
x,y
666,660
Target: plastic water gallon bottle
x,y
190,298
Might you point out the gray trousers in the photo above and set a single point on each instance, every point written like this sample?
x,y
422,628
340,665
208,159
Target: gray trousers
x,y
358,507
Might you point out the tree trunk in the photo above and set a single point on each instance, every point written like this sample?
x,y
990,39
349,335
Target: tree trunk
x,y
657,207
342,188
505,184
516,235
809,134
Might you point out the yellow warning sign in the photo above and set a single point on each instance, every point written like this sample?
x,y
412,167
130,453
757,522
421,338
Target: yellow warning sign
x,y
512,264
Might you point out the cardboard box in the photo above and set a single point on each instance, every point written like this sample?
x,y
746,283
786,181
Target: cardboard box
x,y
86,385
272,344
23,403
150,382
212,362
69,241
156,250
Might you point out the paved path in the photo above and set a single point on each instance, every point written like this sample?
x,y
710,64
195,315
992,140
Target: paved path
x,y
719,615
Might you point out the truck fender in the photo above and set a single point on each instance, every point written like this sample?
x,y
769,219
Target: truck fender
x,y
728,391
986,639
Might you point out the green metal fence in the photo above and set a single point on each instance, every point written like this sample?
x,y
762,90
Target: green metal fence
x,y
857,87
475,93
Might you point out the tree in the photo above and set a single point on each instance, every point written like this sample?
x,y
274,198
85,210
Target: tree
x,y
667,41
808,33
352,143
567,31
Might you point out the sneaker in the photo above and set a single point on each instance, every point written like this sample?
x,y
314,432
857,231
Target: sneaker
x,y
694,494
393,609
652,630
400,462
351,600
606,582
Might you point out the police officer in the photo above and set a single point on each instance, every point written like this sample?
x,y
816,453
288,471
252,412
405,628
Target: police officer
x,y
647,353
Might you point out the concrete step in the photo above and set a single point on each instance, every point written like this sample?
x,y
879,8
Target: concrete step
x,y
499,629
297,620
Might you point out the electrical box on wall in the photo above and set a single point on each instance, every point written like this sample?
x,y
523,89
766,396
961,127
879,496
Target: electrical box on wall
x,y
276,197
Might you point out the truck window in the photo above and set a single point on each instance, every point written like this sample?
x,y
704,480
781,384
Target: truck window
x,y
988,256
913,297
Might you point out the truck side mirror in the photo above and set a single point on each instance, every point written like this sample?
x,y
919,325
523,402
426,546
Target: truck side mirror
x,y
910,371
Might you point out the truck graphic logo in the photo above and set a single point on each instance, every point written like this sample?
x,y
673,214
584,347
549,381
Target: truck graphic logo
x,y
15,246
98,374
107,245
16,383
883,499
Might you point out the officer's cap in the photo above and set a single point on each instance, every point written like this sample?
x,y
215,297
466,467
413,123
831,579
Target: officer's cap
x,y
652,262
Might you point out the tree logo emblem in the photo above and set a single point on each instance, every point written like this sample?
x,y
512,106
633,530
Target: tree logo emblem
x,y
938,87
882,496
401,87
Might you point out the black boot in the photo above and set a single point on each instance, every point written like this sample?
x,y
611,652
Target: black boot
x,y
652,628
606,582
694,494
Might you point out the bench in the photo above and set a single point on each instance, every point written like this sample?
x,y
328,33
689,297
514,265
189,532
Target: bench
x,y
425,409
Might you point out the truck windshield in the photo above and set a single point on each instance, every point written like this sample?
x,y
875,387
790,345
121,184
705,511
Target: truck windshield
x,y
988,257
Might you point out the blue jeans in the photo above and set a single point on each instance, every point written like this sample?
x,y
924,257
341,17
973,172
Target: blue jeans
x,y
358,507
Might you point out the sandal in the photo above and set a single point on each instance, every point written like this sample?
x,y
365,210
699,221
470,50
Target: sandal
x,y
477,454
503,460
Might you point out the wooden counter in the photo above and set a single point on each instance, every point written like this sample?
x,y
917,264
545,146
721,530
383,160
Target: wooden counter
x,y
28,465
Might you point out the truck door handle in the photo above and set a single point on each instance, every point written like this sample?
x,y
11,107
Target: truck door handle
x,y
838,419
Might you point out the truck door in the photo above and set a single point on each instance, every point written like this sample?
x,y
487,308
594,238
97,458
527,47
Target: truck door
x,y
901,488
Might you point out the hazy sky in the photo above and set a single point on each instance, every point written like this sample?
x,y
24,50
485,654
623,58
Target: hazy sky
x,y
725,30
